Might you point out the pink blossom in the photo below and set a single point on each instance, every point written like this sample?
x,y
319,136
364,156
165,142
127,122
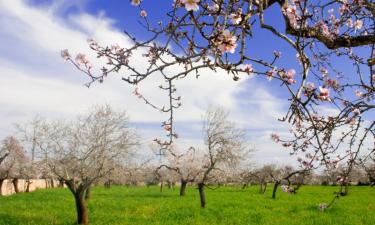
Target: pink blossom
x,y
92,43
167,127
65,54
136,2
286,188
143,13
290,76
277,54
275,137
324,94
248,69
81,59
358,24
356,112
322,26
344,8
349,23
227,42
213,8
309,89
236,17
359,94
323,206
270,74
291,12
191,5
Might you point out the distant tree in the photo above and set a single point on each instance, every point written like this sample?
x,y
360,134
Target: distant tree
x,y
12,165
182,164
225,145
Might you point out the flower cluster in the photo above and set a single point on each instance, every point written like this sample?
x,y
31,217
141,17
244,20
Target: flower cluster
x,y
191,5
275,137
226,41
324,94
323,206
287,189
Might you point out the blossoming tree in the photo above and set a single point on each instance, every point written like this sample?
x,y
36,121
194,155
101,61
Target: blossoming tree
x,y
212,35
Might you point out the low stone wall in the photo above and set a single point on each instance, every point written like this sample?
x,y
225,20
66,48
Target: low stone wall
x,y
8,187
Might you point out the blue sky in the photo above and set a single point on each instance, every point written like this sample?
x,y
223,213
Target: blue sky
x,y
35,80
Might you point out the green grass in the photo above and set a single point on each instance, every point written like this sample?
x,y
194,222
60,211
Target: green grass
x,y
141,205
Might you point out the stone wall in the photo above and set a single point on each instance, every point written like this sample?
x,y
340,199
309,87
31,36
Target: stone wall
x,y
8,187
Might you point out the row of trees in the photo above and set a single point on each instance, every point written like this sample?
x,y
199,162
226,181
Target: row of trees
x,y
330,106
101,147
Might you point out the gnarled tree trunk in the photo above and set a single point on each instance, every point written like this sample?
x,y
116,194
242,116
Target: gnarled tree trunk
x,y
88,194
275,189
79,193
82,212
202,195
183,187
28,183
263,187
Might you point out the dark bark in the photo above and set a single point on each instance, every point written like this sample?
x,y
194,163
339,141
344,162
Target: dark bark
x,y
263,187
88,194
52,183
15,185
107,184
344,189
28,183
79,193
183,187
275,189
61,183
1,186
202,195
169,183
82,212
161,186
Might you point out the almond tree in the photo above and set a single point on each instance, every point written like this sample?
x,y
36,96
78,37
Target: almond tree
x,y
201,36
225,145
84,150
184,165
11,166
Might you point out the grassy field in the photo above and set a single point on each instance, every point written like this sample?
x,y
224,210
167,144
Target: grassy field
x,y
141,205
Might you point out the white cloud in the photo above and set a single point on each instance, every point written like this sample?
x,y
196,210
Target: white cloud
x,y
34,78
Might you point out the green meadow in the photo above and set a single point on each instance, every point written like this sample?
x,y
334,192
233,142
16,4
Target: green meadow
x,y
225,205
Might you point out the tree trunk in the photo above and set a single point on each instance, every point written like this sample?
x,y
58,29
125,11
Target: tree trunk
x,y
52,183
28,183
202,195
161,186
183,188
169,183
82,212
15,185
275,189
1,186
61,183
264,188
88,194
344,189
